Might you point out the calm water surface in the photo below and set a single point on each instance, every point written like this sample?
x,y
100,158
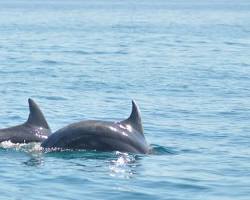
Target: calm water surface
x,y
186,63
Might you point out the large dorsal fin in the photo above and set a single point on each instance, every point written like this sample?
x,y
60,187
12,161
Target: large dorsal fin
x,y
36,116
135,118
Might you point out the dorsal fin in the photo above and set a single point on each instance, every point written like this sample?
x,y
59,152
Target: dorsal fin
x,y
135,118
36,116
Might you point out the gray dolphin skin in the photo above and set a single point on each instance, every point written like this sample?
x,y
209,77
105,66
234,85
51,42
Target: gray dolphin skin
x,y
124,136
35,129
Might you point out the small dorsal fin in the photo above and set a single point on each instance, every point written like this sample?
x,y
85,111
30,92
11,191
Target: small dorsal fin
x,y
135,118
36,116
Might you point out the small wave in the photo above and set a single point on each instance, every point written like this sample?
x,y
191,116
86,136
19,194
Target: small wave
x,y
35,160
236,44
50,62
161,150
58,98
82,52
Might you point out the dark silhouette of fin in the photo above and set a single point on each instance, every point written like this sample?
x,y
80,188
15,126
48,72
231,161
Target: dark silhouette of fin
x,y
36,116
135,118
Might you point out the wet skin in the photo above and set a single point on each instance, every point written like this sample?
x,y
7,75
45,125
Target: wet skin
x,y
124,136
35,129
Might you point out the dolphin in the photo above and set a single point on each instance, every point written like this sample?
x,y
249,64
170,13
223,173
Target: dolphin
x,y
123,136
35,129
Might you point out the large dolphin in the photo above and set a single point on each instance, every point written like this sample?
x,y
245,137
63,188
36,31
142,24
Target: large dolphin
x,y
124,136
35,129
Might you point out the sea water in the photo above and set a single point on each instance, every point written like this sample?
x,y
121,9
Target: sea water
x,y
185,62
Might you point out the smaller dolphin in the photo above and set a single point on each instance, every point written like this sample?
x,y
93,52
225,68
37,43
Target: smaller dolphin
x,y
35,129
124,136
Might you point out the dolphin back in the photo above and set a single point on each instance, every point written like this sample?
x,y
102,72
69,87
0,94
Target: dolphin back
x,y
124,136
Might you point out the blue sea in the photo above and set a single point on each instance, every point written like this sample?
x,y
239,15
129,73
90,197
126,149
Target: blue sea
x,y
185,62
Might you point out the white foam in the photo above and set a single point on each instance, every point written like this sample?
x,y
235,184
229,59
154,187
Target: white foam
x,y
30,147
120,166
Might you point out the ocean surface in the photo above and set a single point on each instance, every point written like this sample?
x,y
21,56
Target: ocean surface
x,y
185,62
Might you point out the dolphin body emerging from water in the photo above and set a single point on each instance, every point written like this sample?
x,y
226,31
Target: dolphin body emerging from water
x,y
124,136
35,129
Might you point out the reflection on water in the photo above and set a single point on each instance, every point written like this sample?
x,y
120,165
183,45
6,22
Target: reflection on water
x,y
34,160
119,164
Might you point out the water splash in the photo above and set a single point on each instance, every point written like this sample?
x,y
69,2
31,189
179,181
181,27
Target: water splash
x,y
123,165
28,148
